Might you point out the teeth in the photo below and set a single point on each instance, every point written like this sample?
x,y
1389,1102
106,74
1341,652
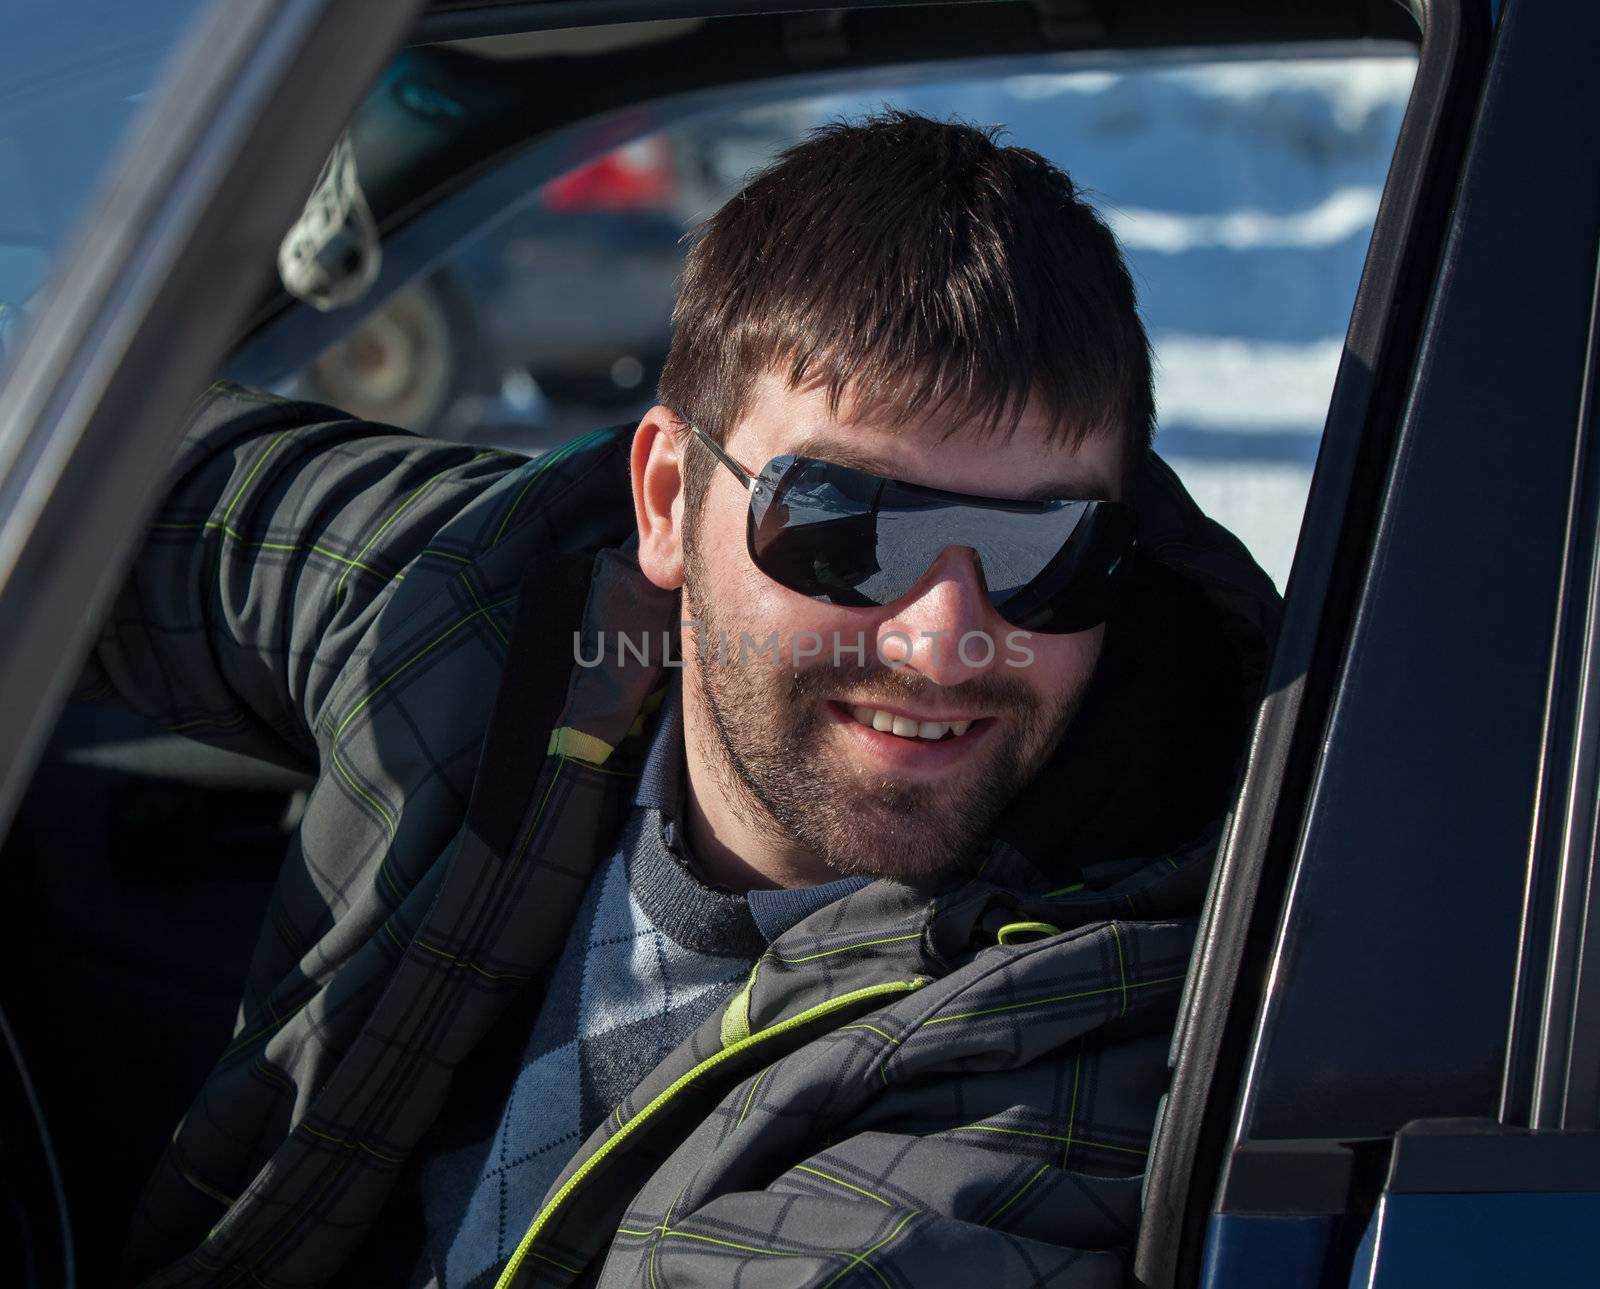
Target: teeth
x,y
905,727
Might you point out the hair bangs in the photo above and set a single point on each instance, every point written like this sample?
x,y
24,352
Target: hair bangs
x,y
914,268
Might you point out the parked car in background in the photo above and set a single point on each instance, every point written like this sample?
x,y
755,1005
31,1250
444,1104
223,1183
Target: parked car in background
x,y
556,318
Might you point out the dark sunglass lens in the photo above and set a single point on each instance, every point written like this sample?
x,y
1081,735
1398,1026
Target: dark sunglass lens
x,y
813,529
856,539
1074,591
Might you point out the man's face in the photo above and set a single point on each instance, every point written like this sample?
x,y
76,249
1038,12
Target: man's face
x,y
799,740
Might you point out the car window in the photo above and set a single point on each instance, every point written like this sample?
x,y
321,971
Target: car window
x,y
1243,190
73,74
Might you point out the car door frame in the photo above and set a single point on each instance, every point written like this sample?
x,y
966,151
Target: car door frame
x,y
146,297
1268,1160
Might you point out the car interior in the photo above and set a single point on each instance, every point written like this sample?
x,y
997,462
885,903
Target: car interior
x,y
146,858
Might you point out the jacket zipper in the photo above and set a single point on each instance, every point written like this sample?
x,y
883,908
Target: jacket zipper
x,y
542,1220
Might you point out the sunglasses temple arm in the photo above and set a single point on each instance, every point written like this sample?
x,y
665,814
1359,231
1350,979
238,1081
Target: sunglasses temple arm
x,y
744,476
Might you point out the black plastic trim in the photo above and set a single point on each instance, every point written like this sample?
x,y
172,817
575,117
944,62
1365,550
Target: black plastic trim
x,y
1099,22
1392,980
1392,974
460,22
1311,1177
1480,1156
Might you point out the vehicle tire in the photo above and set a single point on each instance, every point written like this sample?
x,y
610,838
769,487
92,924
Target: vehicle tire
x,y
407,363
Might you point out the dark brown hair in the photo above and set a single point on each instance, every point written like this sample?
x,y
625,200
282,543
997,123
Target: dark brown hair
x,y
917,264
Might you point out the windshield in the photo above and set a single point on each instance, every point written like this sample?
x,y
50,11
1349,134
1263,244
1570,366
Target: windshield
x,y
72,75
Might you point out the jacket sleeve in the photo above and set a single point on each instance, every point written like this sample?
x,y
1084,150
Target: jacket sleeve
x,y
990,1130
1005,1200
284,527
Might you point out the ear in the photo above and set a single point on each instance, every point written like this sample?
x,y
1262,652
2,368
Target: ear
x,y
658,498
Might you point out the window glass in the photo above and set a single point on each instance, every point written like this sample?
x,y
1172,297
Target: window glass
x,y
1243,191
72,76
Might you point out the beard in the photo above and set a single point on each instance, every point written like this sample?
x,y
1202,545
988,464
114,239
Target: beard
x,y
772,754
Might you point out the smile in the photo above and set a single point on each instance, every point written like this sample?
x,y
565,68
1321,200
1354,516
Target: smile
x,y
915,746
903,726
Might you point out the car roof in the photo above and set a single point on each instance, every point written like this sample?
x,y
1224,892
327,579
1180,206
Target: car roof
x,y
502,74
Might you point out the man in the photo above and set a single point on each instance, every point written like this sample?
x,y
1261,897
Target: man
x,y
844,950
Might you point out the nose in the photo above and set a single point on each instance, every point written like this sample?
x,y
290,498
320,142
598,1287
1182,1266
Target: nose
x,y
943,627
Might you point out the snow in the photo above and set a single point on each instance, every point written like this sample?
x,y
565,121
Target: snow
x,y
1340,215
1225,382
1353,88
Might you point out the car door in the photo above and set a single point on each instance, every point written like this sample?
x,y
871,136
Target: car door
x,y
1388,1076
173,224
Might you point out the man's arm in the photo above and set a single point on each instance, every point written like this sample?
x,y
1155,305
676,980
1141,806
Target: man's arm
x,y
1009,1198
285,528
988,1126
1037,1183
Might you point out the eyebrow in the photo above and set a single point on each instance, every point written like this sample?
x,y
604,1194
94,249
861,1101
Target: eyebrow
x,y
813,445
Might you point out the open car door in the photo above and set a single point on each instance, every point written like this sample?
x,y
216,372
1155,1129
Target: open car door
x,y
1386,1073
158,275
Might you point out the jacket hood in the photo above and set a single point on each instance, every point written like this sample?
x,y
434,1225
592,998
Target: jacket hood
x,y
1150,763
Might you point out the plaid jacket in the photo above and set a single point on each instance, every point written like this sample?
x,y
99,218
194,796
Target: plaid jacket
x,y
916,1085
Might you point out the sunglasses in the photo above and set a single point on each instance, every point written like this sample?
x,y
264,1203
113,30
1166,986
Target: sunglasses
x,y
853,538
